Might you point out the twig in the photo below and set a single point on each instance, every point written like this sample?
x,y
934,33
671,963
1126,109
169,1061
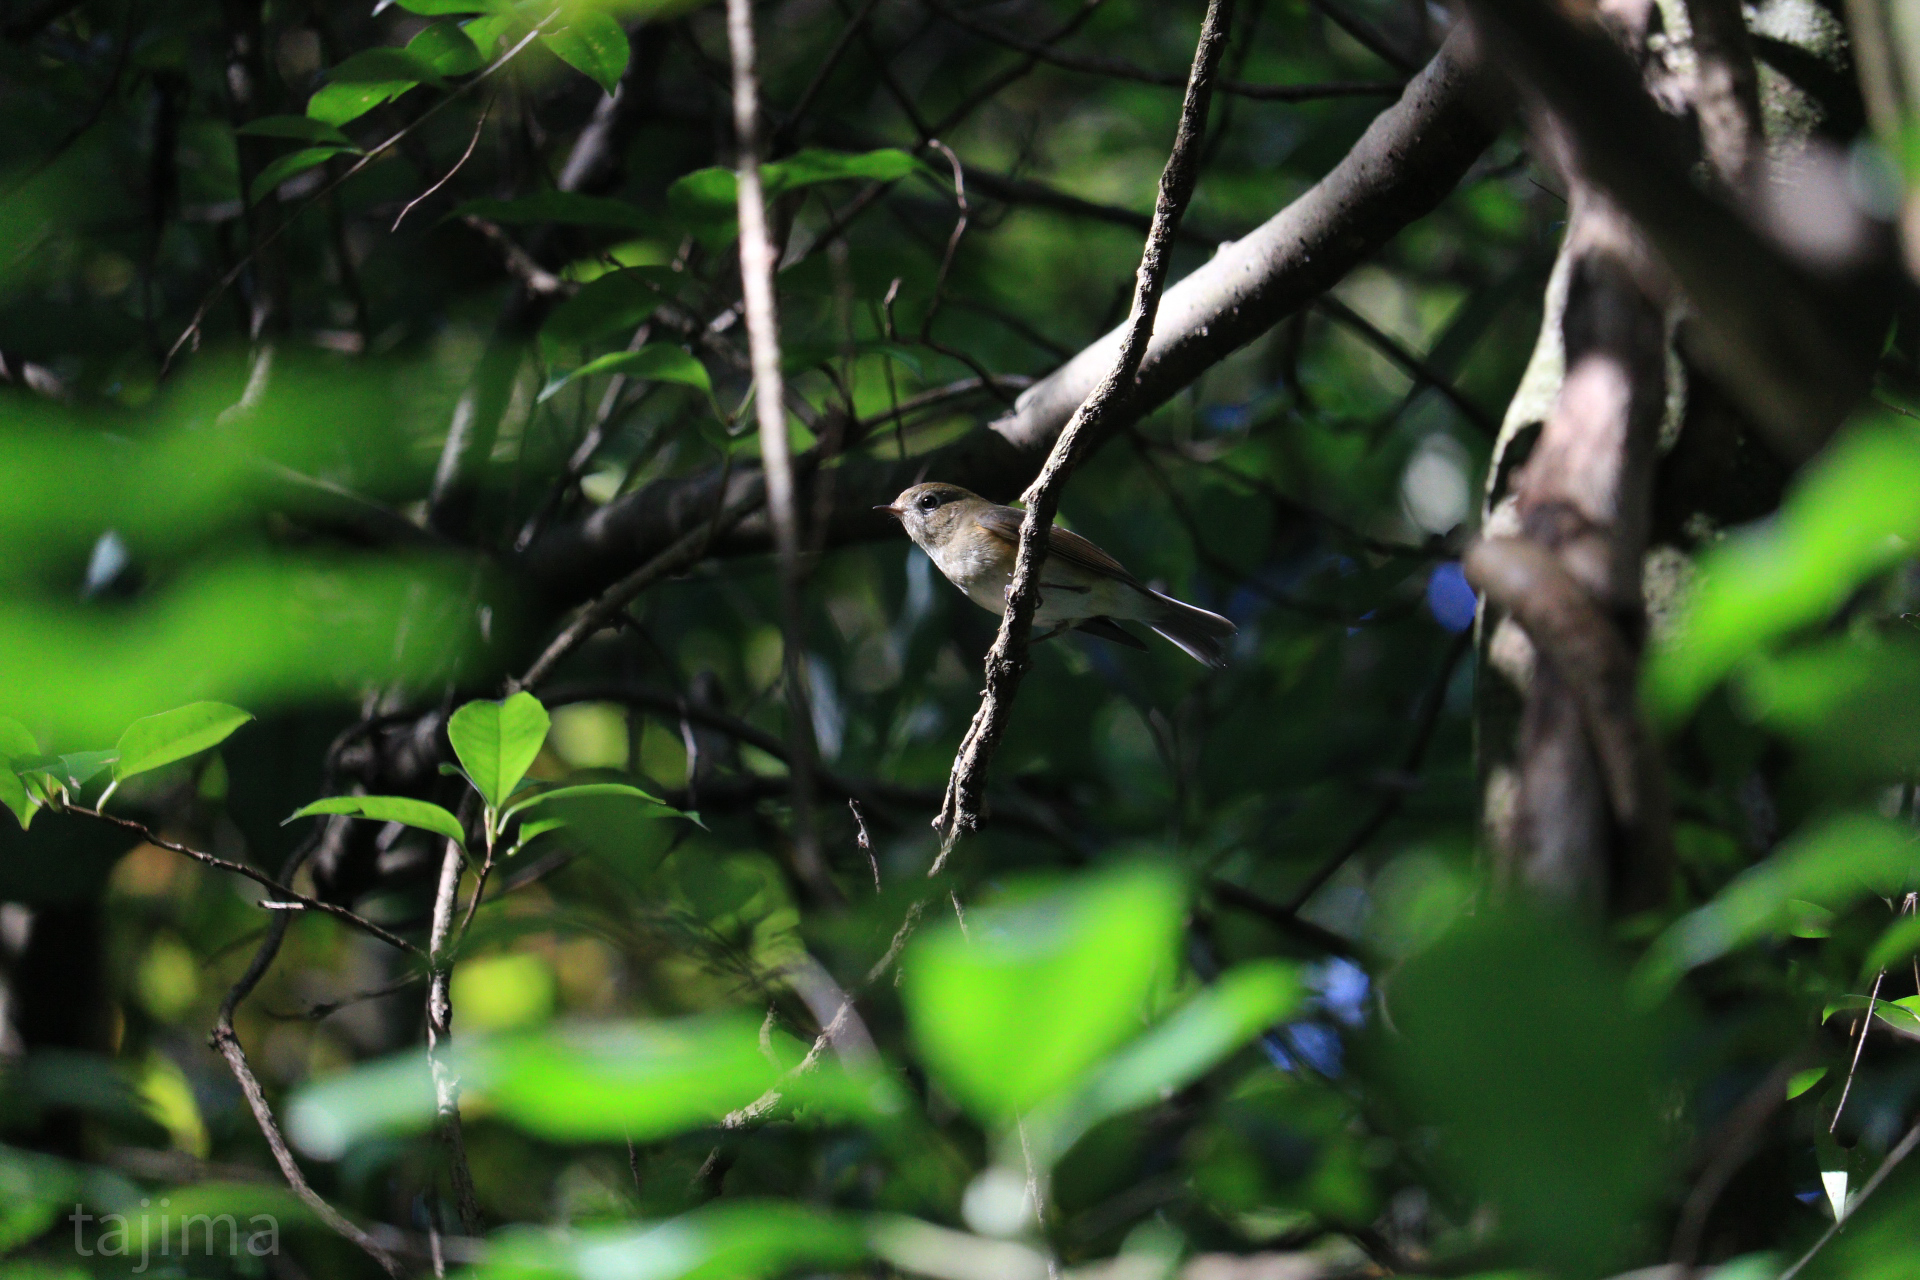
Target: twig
x,y
466,155
1894,1157
446,1085
520,264
226,1042
226,281
260,878
1866,1024
1432,704
1007,661
757,262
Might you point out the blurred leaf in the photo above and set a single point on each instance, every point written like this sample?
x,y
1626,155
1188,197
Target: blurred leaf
x,y
502,993
1808,919
16,743
712,195
613,304
439,8
366,80
1902,939
420,814
922,1248
447,49
559,206
655,362
13,794
1221,1019
497,743
726,1240
174,735
35,1190
1833,864
1515,1038
1854,512
1045,988
299,128
592,44
1845,697
291,165
637,1081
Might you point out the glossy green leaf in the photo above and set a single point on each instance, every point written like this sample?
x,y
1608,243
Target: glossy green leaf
x,y
1854,512
559,206
299,128
612,305
579,791
1043,988
454,8
655,362
531,831
405,810
366,80
497,743
1833,865
174,735
447,49
13,794
593,44
16,743
1801,1081
291,165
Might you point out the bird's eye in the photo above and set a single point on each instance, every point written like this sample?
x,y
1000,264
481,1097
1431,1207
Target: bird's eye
x,y
929,501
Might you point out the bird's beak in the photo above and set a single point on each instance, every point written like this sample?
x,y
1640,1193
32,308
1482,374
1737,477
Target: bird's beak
x,y
890,509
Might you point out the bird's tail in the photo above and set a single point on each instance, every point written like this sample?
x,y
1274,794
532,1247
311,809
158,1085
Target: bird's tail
x,y
1202,636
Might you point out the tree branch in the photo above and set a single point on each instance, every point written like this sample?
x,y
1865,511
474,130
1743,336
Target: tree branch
x,y
1007,661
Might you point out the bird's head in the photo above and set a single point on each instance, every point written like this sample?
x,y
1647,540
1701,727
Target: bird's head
x,y
931,512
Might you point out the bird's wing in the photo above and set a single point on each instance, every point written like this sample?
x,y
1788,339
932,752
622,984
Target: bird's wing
x,y
1004,524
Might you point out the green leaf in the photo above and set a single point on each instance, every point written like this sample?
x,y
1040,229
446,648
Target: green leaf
x,y
592,44
531,831
486,33
726,1240
299,128
705,196
368,79
1801,1081
16,741
581,790
1244,1003
291,165
1808,919
75,769
447,49
1045,988
1902,939
580,1084
421,814
1854,512
812,166
445,8
34,1189
615,303
559,206
1833,865
497,743
174,735
655,362
13,794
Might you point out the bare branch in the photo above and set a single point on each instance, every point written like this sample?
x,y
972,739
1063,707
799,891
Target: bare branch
x,y
1007,661
446,1085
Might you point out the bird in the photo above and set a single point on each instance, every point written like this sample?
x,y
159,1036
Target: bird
x,y
974,543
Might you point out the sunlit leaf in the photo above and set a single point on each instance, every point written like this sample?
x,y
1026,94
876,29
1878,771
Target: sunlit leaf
x,y
291,165
497,743
442,8
1853,512
174,735
366,80
580,790
1801,1081
655,362
592,44
727,1240
421,814
1017,1009
16,743
1833,864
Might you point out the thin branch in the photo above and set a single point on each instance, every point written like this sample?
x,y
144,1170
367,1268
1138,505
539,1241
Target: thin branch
x,y
446,1085
226,1042
1007,661
1866,1025
757,263
277,890
1415,366
459,164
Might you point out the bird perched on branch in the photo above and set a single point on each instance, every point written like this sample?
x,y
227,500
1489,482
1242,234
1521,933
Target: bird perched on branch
x,y
974,542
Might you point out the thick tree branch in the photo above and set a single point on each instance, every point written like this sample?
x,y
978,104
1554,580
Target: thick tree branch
x,y
1407,162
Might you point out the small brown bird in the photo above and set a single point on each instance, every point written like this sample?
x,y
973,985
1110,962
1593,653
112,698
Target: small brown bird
x,y
974,542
